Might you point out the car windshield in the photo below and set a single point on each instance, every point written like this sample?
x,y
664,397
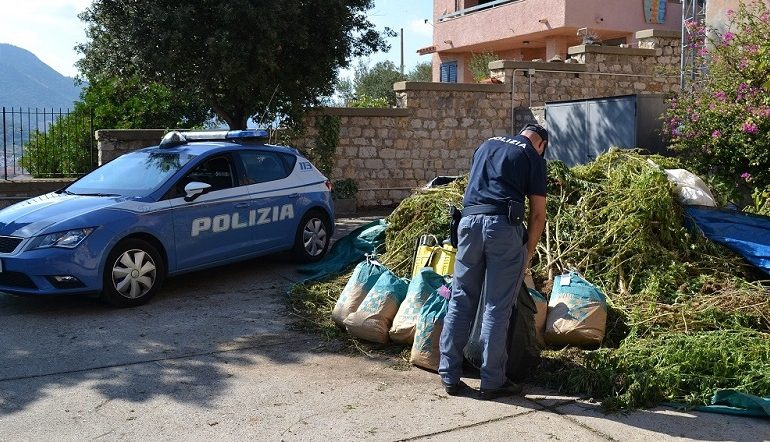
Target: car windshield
x,y
132,174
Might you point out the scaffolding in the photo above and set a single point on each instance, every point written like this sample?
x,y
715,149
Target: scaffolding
x,y
691,66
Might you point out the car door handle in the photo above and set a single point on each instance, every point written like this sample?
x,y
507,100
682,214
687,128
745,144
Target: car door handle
x,y
294,195
242,205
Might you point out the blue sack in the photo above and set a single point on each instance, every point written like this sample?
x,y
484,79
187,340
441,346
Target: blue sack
x,y
577,312
372,320
421,287
427,335
364,277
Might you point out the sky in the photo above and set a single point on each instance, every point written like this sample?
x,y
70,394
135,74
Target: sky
x,y
50,29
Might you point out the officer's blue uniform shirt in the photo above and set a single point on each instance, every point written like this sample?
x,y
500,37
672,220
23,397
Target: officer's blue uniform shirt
x,y
505,168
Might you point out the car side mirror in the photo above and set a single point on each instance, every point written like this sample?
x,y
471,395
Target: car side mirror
x,y
195,189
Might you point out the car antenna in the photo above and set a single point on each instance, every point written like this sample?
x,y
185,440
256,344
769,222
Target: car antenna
x,y
262,118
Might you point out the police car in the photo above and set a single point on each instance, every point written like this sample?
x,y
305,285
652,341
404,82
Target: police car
x,y
198,200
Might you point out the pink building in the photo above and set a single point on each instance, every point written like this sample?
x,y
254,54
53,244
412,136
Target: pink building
x,y
536,29
716,11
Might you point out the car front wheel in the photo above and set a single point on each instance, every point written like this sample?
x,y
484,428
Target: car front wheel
x,y
133,273
312,238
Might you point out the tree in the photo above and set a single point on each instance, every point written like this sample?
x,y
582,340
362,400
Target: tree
x,y
722,126
65,148
377,82
241,59
132,103
421,72
479,65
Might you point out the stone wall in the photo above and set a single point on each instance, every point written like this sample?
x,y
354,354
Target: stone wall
x,y
389,152
113,143
13,191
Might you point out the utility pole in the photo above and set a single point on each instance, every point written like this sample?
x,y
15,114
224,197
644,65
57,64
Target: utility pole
x,y
402,51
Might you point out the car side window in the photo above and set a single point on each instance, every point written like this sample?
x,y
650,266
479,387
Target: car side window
x,y
216,172
262,167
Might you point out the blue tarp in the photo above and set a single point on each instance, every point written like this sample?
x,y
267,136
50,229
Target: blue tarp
x,y
739,404
347,251
746,234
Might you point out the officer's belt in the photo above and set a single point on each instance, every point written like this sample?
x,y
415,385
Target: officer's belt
x,y
485,209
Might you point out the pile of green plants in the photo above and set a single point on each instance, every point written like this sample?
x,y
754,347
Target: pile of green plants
x,y
425,212
686,316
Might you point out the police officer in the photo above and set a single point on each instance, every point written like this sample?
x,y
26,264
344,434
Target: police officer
x,y
493,252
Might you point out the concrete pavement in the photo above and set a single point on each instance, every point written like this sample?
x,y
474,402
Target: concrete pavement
x,y
216,356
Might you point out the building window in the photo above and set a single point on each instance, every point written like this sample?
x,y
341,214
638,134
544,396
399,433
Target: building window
x,y
449,72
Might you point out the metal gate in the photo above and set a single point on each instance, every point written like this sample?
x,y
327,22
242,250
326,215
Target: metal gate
x,y
582,130
47,143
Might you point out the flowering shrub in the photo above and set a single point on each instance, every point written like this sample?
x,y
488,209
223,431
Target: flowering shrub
x,y
721,127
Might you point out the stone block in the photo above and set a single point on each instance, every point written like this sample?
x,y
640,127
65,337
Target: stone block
x,y
373,163
387,153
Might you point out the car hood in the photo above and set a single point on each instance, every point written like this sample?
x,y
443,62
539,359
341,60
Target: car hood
x,y
32,216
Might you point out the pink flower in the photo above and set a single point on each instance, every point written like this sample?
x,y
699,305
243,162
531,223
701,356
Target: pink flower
x,y
716,134
728,37
765,16
720,95
743,64
730,12
745,176
750,127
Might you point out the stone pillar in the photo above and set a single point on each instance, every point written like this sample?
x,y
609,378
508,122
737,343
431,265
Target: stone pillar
x,y
113,143
556,47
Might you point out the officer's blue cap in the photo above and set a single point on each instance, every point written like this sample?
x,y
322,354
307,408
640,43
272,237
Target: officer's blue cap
x,y
538,129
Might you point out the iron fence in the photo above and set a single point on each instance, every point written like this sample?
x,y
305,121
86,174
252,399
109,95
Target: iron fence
x,y
47,143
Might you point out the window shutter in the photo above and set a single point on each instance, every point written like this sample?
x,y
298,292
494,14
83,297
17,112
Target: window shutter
x,y
448,72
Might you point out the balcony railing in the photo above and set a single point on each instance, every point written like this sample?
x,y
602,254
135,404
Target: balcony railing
x,y
476,8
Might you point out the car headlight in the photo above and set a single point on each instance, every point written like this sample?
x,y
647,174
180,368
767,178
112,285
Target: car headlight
x,y
68,239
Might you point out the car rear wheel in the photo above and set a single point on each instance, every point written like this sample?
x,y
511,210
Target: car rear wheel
x,y
313,237
133,273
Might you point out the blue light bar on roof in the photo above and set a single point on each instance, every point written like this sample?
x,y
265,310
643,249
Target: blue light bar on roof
x,y
248,133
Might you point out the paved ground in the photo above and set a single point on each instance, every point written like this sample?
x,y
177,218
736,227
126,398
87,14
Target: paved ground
x,y
215,357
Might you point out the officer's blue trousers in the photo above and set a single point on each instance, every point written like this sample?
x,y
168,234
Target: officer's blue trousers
x,y
490,257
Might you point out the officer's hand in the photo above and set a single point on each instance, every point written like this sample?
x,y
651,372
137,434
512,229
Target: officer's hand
x,y
528,281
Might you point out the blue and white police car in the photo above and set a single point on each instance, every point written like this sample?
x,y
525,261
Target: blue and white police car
x,y
197,200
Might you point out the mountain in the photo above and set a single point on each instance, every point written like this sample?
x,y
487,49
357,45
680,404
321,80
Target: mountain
x,y
25,81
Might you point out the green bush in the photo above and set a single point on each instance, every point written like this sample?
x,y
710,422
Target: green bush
x,y
722,126
65,149
344,189
367,101
479,65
